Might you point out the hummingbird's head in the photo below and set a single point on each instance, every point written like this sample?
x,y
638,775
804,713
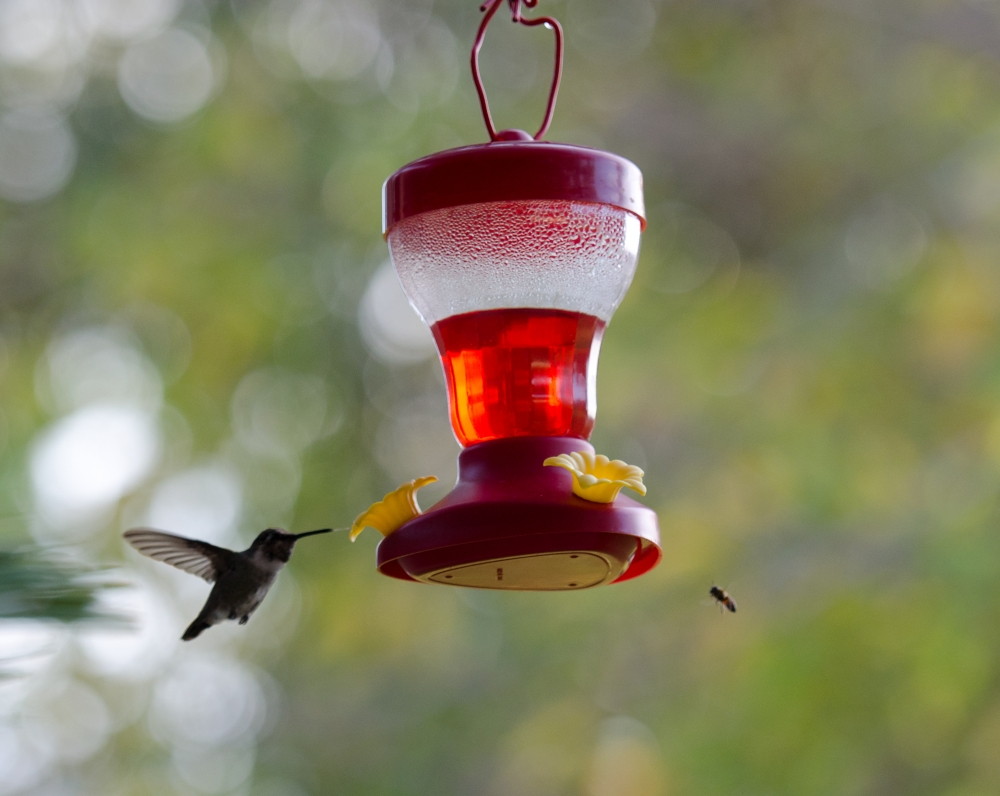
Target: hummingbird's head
x,y
276,544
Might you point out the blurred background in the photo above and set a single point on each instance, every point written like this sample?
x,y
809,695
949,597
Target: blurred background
x,y
199,331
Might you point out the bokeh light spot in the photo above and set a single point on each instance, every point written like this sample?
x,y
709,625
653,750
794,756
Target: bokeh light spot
x,y
275,410
391,327
28,29
626,761
202,502
91,458
138,646
884,241
37,155
96,365
208,700
333,40
168,77
127,19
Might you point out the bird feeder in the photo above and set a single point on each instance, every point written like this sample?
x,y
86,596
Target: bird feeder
x,y
516,254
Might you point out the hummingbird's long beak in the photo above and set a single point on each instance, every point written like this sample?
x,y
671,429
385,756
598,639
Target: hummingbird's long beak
x,y
313,533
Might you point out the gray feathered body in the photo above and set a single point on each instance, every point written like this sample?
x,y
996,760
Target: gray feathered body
x,y
241,580
238,591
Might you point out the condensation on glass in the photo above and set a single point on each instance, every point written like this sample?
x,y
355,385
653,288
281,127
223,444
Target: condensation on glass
x,y
517,294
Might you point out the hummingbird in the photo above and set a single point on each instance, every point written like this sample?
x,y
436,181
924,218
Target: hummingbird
x,y
241,579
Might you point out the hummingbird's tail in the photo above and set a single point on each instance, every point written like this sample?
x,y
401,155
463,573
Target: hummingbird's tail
x,y
195,628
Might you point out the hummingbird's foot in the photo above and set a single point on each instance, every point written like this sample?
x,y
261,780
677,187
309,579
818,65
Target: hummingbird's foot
x,y
244,619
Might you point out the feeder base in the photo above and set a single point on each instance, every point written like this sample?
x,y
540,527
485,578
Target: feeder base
x,y
546,562
512,523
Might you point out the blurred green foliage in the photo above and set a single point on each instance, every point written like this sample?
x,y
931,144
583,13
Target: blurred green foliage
x,y
31,588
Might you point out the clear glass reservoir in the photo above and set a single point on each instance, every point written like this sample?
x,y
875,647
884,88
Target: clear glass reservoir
x,y
518,294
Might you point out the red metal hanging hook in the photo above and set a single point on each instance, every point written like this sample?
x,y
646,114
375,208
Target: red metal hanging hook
x,y
490,8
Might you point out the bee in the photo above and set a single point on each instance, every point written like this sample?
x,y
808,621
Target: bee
x,y
721,596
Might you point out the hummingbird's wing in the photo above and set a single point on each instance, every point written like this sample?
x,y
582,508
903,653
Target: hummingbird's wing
x,y
199,558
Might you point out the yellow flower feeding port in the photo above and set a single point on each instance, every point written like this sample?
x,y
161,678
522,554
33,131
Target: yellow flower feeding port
x,y
597,478
394,510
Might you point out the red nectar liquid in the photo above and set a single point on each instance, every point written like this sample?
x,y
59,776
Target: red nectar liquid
x,y
520,372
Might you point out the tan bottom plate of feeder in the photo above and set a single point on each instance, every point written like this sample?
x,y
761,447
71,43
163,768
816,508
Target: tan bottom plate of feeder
x,y
546,572
531,562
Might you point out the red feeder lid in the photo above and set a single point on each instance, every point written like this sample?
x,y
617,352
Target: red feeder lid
x,y
512,168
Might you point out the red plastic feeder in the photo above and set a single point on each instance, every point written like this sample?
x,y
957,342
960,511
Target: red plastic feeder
x,y
516,253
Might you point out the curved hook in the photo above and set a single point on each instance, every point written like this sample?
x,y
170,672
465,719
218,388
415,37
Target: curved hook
x,y
490,8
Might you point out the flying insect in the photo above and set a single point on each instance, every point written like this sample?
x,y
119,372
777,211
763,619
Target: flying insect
x,y
723,598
